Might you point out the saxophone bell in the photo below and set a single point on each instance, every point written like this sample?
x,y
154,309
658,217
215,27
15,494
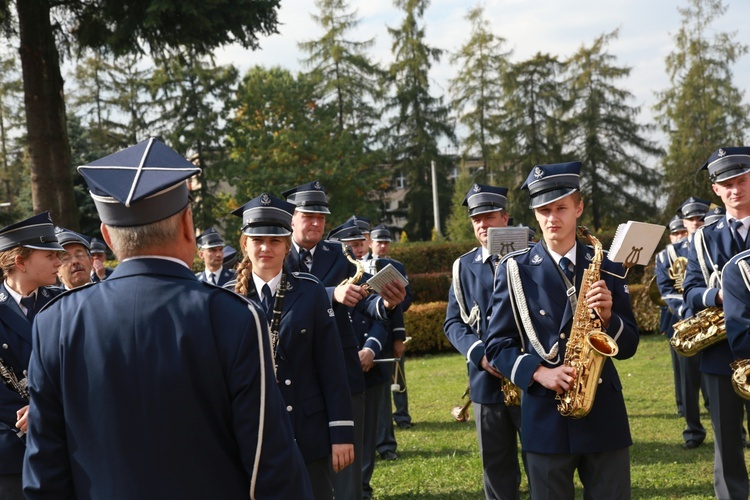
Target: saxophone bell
x,y
741,370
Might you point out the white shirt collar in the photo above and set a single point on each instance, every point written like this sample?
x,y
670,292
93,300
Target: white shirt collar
x,y
273,284
17,296
571,255
163,257
297,247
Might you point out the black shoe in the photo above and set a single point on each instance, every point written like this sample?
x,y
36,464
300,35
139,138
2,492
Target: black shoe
x,y
389,455
404,425
691,444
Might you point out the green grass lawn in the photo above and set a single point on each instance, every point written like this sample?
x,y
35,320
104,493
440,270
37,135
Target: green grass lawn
x,y
439,457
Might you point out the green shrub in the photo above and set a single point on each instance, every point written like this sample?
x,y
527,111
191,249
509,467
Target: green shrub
x,y
429,287
426,257
424,324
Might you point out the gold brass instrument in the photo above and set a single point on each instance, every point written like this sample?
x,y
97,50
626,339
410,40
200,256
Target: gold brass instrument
x,y
461,413
511,392
588,346
741,369
654,294
677,272
698,332
354,280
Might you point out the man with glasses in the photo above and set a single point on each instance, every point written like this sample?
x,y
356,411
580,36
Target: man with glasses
x,y
76,260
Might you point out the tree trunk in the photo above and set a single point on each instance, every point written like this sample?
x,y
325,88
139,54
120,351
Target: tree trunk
x,y
49,149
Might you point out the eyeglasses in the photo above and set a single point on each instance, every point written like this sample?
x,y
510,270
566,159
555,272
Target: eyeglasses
x,y
66,257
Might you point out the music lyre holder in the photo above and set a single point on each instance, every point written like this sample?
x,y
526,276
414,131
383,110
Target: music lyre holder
x,y
630,261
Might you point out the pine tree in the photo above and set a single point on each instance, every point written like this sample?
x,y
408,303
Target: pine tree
x,y
702,110
419,120
477,91
603,133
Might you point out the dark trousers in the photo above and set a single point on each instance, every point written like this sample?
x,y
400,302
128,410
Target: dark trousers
x,y
11,487
604,475
691,402
727,414
386,439
320,478
677,380
347,483
373,398
401,399
498,428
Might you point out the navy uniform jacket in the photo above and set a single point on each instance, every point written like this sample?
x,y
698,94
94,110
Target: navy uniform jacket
x,y
372,334
476,286
15,350
606,427
698,295
737,304
676,309
331,267
154,385
107,273
223,276
311,371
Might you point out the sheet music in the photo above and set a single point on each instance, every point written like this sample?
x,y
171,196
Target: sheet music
x,y
386,275
635,243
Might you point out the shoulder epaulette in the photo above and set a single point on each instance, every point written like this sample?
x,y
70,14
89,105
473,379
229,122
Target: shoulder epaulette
x,y
513,254
305,276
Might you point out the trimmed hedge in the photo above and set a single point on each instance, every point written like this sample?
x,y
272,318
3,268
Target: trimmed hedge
x,y
424,322
430,287
427,257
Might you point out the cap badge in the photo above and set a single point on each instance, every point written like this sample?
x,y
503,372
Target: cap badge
x,y
721,153
476,188
317,185
265,199
536,259
538,173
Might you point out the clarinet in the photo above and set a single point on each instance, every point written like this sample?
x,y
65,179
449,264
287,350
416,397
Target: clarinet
x,y
278,305
20,386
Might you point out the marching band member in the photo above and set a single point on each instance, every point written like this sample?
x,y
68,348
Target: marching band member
x,y
211,252
534,307
327,262
469,310
309,360
29,263
711,248
152,384
77,267
692,212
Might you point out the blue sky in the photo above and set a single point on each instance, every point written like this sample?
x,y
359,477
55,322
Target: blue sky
x,y
558,27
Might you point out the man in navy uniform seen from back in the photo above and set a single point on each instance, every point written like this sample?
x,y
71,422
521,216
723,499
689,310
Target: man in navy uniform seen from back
x,y
152,384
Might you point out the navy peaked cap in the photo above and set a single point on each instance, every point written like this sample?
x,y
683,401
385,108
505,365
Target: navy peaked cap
x,y
363,223
381,233
693,207
348,231
482,198
266,215
66,237
36,232
210,238
97,246
139,185
676,225
727,163
230,256
715,212
548,183
310,197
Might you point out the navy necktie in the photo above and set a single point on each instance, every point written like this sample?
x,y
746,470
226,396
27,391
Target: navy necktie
x,y
738,239
567,267
29,303
494,259
304,255
212,276
267,301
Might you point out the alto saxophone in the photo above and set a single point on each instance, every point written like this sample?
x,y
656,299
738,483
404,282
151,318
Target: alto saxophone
x,y
588,346
354,280
741,369
698,332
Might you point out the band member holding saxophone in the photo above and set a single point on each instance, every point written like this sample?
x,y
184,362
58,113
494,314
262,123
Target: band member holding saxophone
x,y
152,384
326,261
711,248
29,264
663,261
308,355
469,309
537,322
670,281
